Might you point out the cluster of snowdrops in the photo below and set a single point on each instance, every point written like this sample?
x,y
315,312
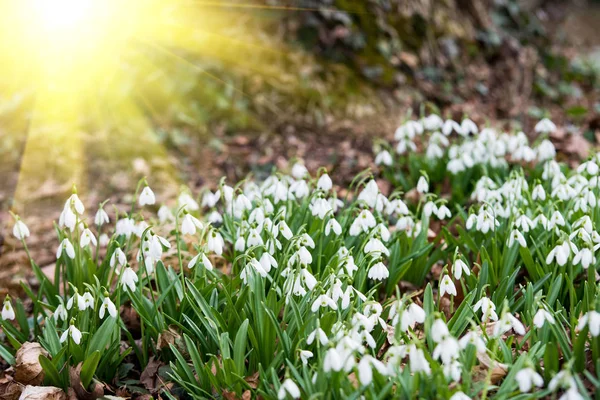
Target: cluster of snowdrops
x,y
282,289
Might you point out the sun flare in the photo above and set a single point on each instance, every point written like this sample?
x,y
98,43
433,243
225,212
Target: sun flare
x,y
94,66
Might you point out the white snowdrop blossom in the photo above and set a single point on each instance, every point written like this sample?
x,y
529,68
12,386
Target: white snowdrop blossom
x,y
324,183
542,316
73,332
20,230
378,272
66,247
592,320
447,286
147,197
459,267
422,185
384,158
189,224
527,378
288,387
8,313
129,279
107,305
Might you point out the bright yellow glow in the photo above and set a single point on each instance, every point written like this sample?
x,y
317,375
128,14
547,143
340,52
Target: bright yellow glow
x,y
112,68
64,14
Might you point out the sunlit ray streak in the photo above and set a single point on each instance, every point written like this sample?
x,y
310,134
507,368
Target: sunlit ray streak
x,y
209,74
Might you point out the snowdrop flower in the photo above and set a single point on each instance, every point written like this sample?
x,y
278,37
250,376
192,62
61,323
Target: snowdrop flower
x,y
506,323
318,334
320,208
468,126
210,199
129,279
288,387
324,183
60,313
459,267
538,193
205,261
378,272
443,212
414,314
561,253
585,257
541,316
459,396
439,331
418,362
165,214
429,208
67,247
365,369
451,125
362,223
333,361
73,332
8,313
571,394
305,355
488,309
447,350
323,301
299,171
107,305
87,238
383,158
118,258
422,185
516,236
447,286
190,224
146,197
375,248
20,230
592,321
527,378
545,126
474,339
333,225
187,202
101,217
432,122
215,242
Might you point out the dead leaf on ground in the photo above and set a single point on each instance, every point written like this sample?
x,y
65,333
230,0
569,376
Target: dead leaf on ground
x,y
9,389
43,393
150,374
28,369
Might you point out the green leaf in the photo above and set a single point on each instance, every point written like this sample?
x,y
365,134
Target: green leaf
x,y
88,369
102,337
51,373
239,347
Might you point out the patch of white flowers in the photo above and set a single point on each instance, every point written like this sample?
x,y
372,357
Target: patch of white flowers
x,y
327,271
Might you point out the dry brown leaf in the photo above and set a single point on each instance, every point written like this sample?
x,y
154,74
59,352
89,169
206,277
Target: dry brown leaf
x,y
167,338
253,380
150,374
28,369
9,389
43,393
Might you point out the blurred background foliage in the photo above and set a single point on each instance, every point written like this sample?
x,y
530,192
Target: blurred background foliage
x,y
308,65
